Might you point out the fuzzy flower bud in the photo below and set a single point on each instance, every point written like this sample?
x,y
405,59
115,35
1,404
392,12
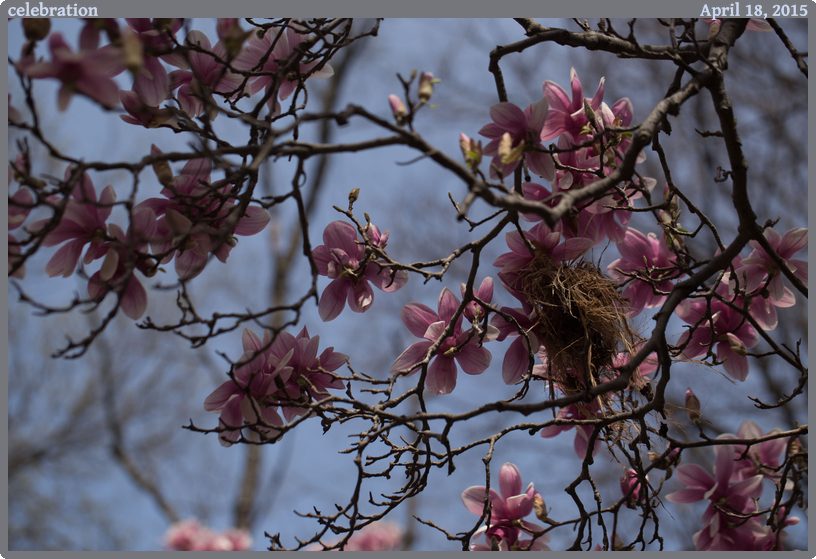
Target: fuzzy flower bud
x,y
673,200
36,28
162,168
133,51
471,150
692,407
398,108
737,345
507,153
426,81
540,508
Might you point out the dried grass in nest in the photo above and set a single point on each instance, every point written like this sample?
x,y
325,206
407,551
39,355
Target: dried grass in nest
x,y
582,319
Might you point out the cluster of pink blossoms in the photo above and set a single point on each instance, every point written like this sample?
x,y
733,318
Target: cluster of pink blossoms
x,y
731,492
286,373
189,535
192,220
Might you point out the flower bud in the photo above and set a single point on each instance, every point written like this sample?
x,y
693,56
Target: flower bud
x,y
507,153
398,109
692,407
672,199
737,346
426,81
36,28
133,51
713,29
540,508
162,168
471,150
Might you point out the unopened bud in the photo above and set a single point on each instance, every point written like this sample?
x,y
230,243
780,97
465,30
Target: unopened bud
x,y
426,81
36,28
692,407
540,508
133,51
471,150
589,113
713,29
673,201
398,109
353,195
507,153
737,346
162,168
494,544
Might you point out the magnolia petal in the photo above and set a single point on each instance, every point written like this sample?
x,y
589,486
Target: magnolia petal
x,y
441,375
253,222
417,317
509,481
216,401
473,358
333,299
410,357
134,301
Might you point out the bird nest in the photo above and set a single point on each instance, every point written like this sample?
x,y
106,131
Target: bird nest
x,y
582,323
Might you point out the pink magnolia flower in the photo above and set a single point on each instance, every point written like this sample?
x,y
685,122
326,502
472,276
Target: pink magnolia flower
x,y
343,259
237,400
461,346
766,538
473,310
308,380
507,511
731,333
649,256
189,535
568,115
379,536
86,72
191,208
204,70
629,482
285,47
524,128
719,491
582,432
759,266
132,297
150,89
763,458
157,35
83,222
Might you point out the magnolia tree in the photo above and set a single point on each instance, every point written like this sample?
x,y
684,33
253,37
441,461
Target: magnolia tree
x,y
562,176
